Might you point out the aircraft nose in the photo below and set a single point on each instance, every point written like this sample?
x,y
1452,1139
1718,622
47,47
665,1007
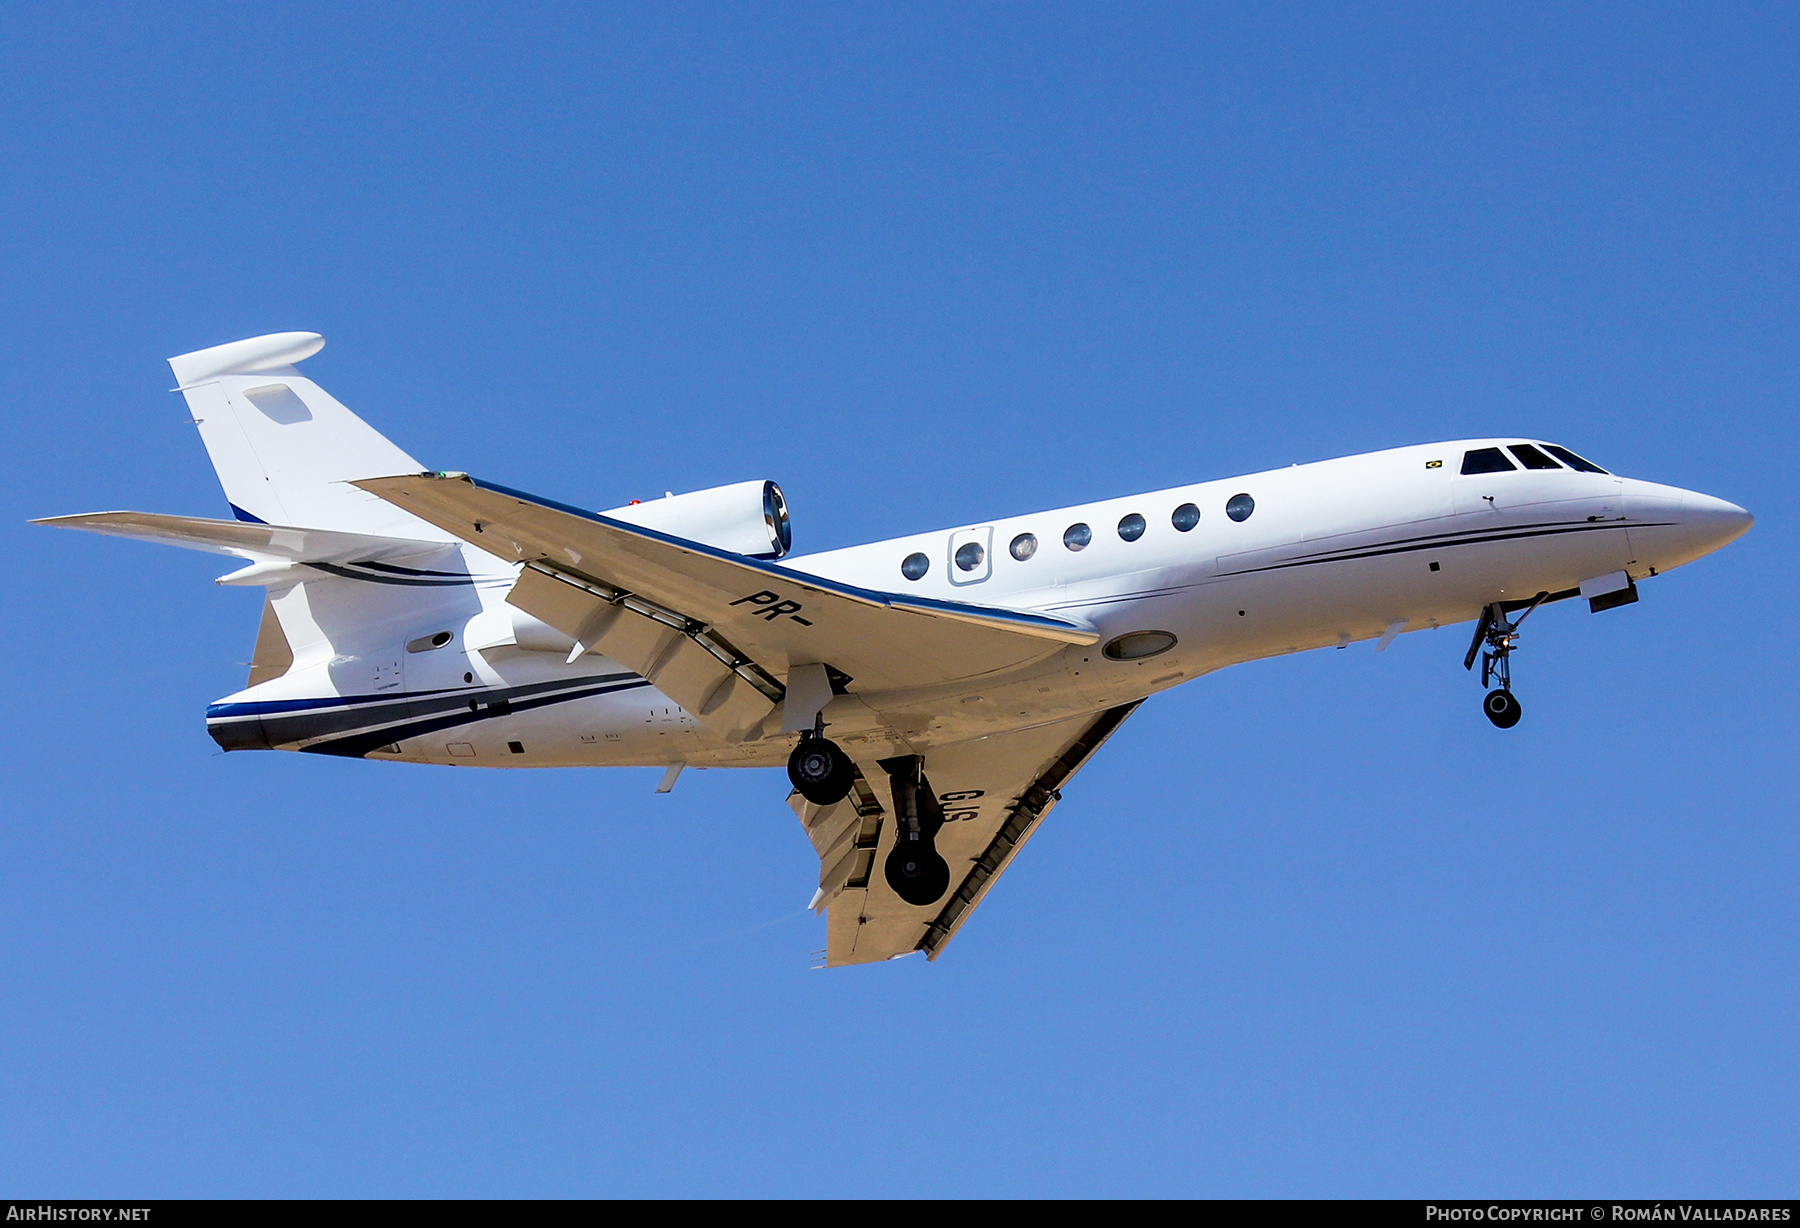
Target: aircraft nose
x,y
1713,522
1671,526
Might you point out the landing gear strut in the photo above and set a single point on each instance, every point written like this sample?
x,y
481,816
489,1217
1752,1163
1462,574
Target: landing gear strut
x,y
914,870
1495,638
821,772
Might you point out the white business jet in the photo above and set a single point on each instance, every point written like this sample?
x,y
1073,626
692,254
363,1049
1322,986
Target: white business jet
x,y
931,695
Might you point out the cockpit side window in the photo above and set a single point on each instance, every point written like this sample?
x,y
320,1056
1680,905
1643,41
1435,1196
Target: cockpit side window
x,y
1530,457
1571,460
1486,460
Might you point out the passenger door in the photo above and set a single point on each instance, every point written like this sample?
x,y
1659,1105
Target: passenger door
x,y
970,558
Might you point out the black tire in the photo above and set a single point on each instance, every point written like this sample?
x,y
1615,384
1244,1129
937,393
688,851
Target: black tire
x,y
1502,708
916,873
821,772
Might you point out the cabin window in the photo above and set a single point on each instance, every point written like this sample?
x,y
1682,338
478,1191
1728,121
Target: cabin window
x,y
1571,460
1239,507
1024,546
915,566
1531,458
1077,536
1486,460
1185,518
969,555
1131,527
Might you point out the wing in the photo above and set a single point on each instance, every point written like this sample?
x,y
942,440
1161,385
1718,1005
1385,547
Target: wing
x,y
717,631
994,791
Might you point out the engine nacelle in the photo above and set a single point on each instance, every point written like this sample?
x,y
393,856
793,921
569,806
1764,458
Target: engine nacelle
x,y
745,518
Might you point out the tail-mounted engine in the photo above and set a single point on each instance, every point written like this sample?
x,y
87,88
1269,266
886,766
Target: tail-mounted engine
x,y
745,518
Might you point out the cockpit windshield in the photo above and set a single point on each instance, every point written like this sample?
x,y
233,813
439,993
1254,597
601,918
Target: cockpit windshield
x,y
1530,455
1531,458
1571,460
1486,460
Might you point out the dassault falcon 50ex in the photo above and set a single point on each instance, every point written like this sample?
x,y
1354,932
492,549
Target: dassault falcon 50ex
x,y
931,696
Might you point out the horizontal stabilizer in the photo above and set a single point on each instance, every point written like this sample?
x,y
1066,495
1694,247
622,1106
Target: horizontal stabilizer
x,y
243,540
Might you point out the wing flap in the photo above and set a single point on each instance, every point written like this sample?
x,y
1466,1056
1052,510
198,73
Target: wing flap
x,y
845,835
683,659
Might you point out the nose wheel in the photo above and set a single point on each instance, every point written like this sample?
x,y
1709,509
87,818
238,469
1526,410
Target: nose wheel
x,y
1496,636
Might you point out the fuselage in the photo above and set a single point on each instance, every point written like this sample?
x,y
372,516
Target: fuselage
x,y
1177,582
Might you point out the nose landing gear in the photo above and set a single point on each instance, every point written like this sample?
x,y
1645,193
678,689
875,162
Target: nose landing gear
x,y
1495,638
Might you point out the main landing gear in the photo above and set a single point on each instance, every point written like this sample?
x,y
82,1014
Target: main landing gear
x,y
914,869
1495,638
821,772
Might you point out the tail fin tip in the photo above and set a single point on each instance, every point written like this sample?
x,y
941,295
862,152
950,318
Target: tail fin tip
x,y
273,352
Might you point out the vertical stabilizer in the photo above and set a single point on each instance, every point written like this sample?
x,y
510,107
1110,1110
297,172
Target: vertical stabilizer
x,y
285,450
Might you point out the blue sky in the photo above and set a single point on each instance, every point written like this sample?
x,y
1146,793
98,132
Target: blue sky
x,y
1306,927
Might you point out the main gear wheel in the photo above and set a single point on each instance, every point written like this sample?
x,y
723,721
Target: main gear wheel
x,y
916,872
821,772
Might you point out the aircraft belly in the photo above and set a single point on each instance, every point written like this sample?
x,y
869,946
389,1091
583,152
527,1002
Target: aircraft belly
x,y
595,715
909,721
